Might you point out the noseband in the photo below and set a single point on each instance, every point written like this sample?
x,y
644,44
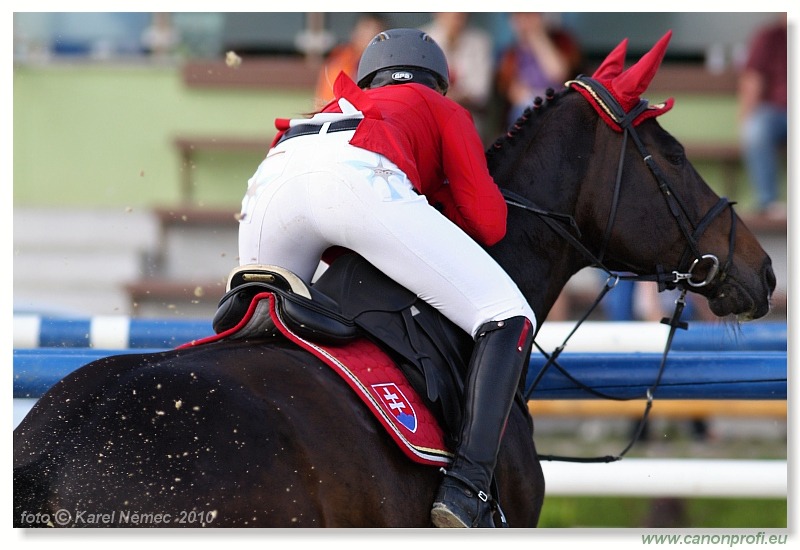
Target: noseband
x,y
691,258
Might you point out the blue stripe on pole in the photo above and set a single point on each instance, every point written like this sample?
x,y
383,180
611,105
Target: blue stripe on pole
x,y
56,332
38,370
141,333
688,375
155,333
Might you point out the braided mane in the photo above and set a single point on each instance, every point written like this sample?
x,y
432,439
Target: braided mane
x,y
521,122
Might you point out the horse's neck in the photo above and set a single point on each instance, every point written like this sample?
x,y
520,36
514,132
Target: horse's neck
x,y
530,161
538,260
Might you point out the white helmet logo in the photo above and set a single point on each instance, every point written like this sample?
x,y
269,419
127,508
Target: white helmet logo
x,y
402,75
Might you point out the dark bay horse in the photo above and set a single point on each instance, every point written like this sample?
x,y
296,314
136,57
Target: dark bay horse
x,y
261,434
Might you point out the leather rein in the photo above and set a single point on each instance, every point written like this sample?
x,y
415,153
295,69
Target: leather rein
x,y
683,277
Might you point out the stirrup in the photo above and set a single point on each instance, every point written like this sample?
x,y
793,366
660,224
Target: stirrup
x,y
480,494
459,509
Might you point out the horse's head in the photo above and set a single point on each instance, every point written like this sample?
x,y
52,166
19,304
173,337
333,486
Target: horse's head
x,y
658,215
598,153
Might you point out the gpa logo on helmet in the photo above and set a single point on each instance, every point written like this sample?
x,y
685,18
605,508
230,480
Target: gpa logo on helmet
x,y
402,76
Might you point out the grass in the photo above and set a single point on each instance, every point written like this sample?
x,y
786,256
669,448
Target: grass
x,y
610,512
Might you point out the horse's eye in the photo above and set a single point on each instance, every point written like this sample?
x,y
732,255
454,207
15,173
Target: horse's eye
x,y
676,159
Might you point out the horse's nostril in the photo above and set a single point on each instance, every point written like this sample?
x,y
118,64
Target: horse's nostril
x,y
769,277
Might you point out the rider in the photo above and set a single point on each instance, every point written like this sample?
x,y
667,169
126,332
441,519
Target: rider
x,y
395,171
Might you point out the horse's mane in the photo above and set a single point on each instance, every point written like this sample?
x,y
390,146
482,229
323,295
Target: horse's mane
x,y
511,160
523,121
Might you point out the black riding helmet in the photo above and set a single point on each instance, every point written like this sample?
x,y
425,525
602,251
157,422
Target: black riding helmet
x,y
399,56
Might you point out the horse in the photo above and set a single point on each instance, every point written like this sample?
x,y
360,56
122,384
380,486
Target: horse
x,y
259,433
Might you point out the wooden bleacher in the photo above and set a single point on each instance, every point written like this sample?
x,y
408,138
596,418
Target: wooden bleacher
x,y
189,146
197,250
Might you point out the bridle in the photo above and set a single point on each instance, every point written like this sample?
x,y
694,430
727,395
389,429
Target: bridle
x,y
683,277
692,255
684,274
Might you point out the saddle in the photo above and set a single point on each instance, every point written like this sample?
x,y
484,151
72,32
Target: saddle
x,y
352,299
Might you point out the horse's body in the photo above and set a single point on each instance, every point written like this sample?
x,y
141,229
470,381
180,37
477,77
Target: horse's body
x,y
254,434
263,434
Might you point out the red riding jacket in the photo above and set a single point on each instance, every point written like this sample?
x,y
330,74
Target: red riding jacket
x,y
434,141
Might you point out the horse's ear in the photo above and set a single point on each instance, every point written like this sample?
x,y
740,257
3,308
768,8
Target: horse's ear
x,y
613,64
633,82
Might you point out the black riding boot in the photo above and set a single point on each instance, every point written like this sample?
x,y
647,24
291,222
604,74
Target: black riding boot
x,y
501,350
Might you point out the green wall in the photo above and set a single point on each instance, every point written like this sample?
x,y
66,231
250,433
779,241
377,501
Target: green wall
x,y
93,135
101,136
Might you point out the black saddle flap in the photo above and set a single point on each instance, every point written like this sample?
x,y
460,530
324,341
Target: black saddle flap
x,y
358,287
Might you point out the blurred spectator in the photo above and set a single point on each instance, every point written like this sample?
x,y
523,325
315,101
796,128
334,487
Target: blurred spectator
x,y
160,38
763,113
632,301
541,57
469,57
345,57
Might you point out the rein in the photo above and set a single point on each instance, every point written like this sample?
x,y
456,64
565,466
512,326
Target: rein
x,y
682,278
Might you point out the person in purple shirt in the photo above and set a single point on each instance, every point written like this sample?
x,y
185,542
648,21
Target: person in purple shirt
x,y
541,57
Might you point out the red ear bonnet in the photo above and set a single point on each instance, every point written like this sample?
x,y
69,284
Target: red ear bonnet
x,y
628,85
613,64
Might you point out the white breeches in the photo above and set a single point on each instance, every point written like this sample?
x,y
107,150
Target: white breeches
x,y
316,191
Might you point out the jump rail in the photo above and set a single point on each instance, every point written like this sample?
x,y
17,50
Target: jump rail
x,y
663,408
688,375
113,332
121,332
654,478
